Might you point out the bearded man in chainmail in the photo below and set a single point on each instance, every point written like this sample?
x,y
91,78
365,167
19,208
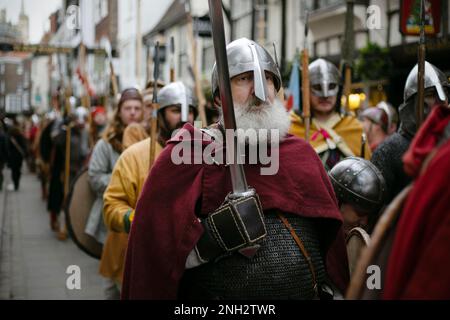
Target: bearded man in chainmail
x,y
178,248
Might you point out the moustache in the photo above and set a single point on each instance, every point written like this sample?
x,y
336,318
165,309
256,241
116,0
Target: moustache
x,y
255,103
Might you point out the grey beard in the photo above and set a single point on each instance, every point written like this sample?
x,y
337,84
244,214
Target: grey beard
x,y
265,120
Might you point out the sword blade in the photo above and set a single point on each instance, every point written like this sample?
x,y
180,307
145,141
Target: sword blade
x,y
218,34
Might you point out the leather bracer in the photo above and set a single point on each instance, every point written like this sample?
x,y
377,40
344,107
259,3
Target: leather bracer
x,y
238,224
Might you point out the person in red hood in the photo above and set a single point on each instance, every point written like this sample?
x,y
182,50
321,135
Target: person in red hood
x,y
179,249
419,263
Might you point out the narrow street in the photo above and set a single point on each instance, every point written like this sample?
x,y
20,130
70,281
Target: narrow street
x,y
33,262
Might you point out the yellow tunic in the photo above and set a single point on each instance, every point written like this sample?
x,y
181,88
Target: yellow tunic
x,y
345,133
127,181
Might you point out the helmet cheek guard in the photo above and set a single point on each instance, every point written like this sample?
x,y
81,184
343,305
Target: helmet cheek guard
x,y
433,78
176,93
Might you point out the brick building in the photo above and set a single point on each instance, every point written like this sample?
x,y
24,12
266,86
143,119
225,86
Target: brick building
x,y
15,82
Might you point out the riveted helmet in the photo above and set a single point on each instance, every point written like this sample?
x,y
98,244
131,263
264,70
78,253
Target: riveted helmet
x,y
358,182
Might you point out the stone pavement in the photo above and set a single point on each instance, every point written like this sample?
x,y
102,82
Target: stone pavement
x,y
33,262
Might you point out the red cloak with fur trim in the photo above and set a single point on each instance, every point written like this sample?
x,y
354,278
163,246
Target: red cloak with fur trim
x,y
166,228
419,262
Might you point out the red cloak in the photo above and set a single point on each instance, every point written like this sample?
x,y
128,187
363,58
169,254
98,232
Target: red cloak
x,y
419,262
166,229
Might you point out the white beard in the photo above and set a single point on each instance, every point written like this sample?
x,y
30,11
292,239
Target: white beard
x,y
263,119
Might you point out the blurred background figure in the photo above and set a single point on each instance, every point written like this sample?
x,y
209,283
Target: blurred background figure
x,y
17,152
31,137
334,133
393,117
132,134
44,146
379,123
104,157
79,150
3,150
99,122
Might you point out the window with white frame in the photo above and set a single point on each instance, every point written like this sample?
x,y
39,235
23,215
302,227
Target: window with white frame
x,y
13,103
2,87
2,68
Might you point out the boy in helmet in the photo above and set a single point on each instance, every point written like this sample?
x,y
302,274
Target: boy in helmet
x,y
333,134
361,191
379,123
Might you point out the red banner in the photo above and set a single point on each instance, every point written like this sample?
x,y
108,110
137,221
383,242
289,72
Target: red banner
x,y
410,17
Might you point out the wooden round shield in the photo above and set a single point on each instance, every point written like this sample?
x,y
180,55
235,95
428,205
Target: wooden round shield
x,y
377,252
357,240
78,207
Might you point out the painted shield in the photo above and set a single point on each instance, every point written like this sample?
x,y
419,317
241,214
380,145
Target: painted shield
x,y
79,203
356,241
374,257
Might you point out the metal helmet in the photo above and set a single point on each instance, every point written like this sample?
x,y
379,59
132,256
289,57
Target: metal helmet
x,y
81,114
390,111
245,55
358,182
325,74
377,115
51,115
433,78
176,93
73,102
35,119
